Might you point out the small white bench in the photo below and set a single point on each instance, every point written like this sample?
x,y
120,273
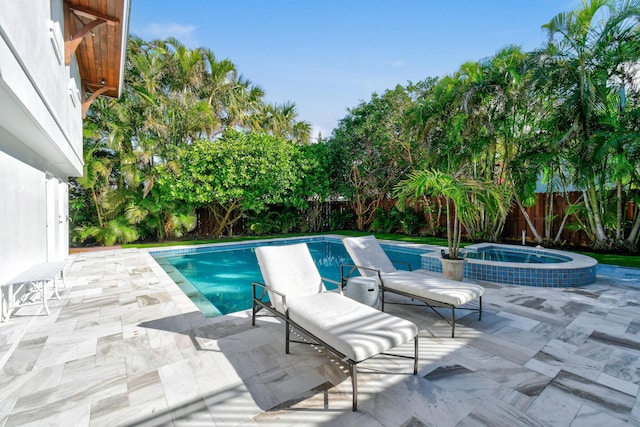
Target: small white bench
x,y
32,283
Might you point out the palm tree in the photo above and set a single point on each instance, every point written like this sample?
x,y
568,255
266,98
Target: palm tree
x,y
585,51
281,120
95,176
466,200
234,99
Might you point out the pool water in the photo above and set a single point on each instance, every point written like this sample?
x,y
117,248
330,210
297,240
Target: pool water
x,y
219,280
502,255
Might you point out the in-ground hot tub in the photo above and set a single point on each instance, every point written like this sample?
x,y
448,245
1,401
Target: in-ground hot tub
x,y
522,265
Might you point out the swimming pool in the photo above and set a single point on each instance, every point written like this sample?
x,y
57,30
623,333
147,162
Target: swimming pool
x,y
217,278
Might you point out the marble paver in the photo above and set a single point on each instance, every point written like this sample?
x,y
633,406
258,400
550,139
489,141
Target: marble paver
x,y
124,346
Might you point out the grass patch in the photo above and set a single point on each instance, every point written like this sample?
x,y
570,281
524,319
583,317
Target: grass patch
x,y
614,259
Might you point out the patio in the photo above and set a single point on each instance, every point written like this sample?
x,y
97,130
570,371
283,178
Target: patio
x,y
125,346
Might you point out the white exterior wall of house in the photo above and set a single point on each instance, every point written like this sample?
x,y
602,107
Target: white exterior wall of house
x,y
40,134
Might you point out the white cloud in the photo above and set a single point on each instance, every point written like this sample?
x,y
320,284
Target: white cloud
x,y
183,32
398,64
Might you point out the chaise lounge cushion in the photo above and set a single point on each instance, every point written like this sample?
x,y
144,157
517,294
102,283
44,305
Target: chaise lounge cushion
x,y
289,270
433,288
355,330
367,252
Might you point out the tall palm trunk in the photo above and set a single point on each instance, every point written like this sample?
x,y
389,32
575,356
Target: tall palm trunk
x,y
632,238
527,219
548,220
97,205
595,219
619,212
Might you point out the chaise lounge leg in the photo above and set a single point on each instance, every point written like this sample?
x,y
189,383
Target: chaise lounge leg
x,y
354,384
286,336
415,355
480,308
453,322
253,308
253,315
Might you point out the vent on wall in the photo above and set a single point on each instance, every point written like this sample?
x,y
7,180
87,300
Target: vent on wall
x,y
57,42
74,93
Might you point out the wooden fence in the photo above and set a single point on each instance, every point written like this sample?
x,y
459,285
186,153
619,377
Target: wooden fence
x,y
515,223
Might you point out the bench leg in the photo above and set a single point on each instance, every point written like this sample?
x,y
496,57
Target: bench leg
x,y
10,302
40,288
55,288
4,303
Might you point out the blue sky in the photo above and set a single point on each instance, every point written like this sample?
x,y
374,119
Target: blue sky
x,y
328,56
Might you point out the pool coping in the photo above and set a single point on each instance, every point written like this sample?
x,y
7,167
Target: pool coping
x,y
575,260
179,249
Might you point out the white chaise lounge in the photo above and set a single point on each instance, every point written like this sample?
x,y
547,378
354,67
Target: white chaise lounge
x,y
371,261
353,331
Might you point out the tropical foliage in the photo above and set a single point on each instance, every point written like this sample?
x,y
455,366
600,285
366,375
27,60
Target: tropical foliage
x,y
466,200
561,118
233,175
173,99
191,133
589,59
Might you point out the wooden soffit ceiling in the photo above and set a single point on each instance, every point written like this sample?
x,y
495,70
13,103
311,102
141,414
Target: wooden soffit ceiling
x,y
96,32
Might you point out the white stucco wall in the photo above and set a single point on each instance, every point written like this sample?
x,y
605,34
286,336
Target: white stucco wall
x,y
40,136
23,213
39,85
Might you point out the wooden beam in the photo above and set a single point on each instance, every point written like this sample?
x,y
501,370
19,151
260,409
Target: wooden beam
x,y
86,104
71,45
96,18
97,59
96,85
91,14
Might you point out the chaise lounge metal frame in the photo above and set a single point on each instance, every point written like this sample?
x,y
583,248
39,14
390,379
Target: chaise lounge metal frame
x,y
429,302
259,303
260,298
387,277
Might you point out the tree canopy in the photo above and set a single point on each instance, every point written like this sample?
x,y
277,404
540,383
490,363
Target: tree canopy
x,y
173,98
190,132
234,174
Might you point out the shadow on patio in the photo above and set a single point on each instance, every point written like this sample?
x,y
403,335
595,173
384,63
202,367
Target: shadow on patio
x,y
251,362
